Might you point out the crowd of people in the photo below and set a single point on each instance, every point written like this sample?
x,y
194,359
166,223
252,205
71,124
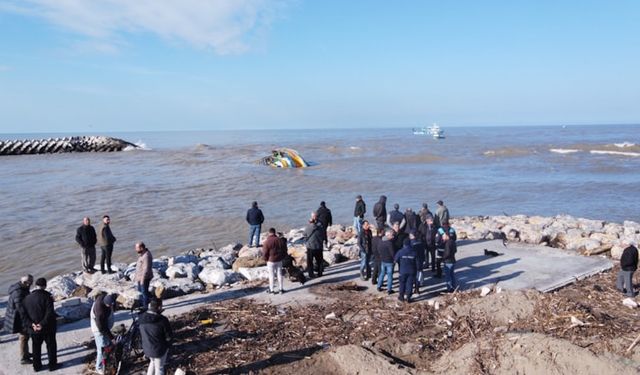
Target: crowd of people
x,y
417,242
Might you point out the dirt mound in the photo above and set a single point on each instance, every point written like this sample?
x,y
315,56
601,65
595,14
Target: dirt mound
x,y
528,354
500,308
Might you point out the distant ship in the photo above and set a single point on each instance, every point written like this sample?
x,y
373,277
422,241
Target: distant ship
x,y
433,130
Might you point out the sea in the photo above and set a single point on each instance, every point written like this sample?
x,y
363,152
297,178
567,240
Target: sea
x,y
185,190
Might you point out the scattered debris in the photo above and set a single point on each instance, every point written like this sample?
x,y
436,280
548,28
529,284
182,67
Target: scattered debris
x,y
484,291
629,302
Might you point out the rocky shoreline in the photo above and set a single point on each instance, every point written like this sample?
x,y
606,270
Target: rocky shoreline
x,y
201,269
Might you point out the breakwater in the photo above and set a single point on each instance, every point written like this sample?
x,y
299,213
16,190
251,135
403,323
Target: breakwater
x,y
60,145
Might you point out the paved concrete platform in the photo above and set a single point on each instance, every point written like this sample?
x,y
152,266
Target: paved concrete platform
x,y
519,267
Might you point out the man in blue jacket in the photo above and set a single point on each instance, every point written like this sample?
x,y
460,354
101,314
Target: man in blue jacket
x,y
407,260
255,220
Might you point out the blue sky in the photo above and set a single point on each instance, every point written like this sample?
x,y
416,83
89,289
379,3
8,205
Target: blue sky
x,y
117,65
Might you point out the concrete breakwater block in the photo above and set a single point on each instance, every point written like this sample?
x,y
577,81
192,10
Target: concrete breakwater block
x,y
67,144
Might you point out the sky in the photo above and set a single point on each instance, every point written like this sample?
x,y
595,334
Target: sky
x,y
90,66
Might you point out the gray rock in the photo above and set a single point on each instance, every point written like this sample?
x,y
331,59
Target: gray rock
x,y
164,288
183,270
74,309
62,286
255,273
250,252
214,262
187,258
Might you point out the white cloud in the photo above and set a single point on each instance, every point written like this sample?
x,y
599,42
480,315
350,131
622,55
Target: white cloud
x,y
225,26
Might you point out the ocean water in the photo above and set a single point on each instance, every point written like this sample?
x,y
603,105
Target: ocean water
x,y
192,189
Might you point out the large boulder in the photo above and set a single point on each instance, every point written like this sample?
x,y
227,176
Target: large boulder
x,y
186,258
214,262
73,309
590,226
248,262
252,252
631,228
62,286
218,277
349,251
296,236
163,288
183,270
256,273
228,253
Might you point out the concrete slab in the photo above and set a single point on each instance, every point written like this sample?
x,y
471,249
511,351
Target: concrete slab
x,y
520,267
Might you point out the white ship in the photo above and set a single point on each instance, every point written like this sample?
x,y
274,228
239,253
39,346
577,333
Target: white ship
x,y
433,130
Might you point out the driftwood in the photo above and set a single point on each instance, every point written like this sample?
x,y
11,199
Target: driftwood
x,y
60,145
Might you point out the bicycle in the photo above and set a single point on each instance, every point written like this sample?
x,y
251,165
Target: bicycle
x,y
126,346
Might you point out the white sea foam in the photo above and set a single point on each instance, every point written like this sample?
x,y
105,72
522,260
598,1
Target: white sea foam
x,y
564,150
622,153
141,146
624,144
489,152
355,148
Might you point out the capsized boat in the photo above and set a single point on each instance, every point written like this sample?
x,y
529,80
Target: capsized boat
x,y
284,158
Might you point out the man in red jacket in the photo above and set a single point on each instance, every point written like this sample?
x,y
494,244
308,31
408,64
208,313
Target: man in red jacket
x,y
274,253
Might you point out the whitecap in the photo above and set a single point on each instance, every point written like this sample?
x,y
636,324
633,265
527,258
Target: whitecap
x,y
604,152
624,144
354,148
564,150
141,146
489,152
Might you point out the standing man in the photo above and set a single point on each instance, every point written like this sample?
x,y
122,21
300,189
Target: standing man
x,y
365,245
101,318
376,241
449,261
386,261
324,218
419,249
156,334
429,231
106,241
255,220
396,216
86,238
380,211
628,265
358,214
407,260
424,212
144,272
40,320
15,315
273,254
313,237
442,213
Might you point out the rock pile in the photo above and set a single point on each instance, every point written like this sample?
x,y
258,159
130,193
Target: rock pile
x,y
67,144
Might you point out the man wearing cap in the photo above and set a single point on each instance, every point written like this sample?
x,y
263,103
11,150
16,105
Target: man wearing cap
x,y
101,324
156,334
255,218
40,320
15,314
380,211
358,213
442,214
628,265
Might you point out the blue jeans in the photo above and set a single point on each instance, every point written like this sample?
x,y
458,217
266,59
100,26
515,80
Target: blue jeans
x,y
357,224
254,230
386,269
450,276
143,288
101,342
365,263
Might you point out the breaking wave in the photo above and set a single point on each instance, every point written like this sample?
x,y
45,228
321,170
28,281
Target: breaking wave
x,y
624,144
621,153
564,150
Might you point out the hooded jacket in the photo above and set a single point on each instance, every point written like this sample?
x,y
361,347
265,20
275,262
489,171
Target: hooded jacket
x,y
15,310
629,259
156,334
380,210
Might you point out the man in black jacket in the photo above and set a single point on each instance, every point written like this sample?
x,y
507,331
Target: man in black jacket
x,y
380,211
14,316
628,265
255,220
375,254
395,216
324,218
86,238
313,239
387,252
449,262
40,320
106,240
428,231
358,214
156,334
365,245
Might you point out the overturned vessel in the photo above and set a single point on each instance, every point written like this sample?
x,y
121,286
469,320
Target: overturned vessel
x,y
67,144
284,158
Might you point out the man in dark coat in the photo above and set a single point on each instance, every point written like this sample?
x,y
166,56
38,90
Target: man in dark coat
x,y
428,231
375,255
365,244
419,248
274,253
15,314
313,239
86,238
407,260
449,259
156,334
380,211
40,320
628,265
255,220
358,214
412,221
395,216
324,218
106,239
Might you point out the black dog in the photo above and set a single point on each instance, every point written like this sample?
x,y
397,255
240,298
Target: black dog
x,y
295,273
490,253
